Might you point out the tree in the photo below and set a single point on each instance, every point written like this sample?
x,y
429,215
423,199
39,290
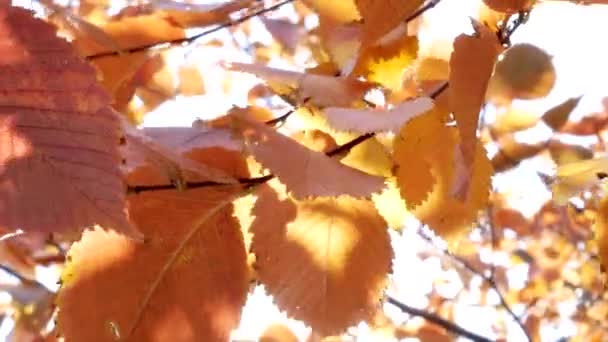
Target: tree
x,y
159,232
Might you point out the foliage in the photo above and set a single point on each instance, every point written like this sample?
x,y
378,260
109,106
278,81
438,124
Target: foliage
x,y
303,189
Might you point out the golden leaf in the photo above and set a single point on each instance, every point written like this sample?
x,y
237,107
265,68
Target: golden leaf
x,y
325,261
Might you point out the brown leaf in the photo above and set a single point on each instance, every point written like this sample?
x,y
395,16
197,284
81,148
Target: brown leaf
x,y
187,282
557,116
60,143
524,72
325,261
305,172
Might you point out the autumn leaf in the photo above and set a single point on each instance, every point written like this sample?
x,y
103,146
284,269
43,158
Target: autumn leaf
x,y
318,90
573,178
343,11
381,17
325,261
557,116
471,66
142,149
60,142
186,282
425,159
371,120
524,72
386,62
509,6
305,172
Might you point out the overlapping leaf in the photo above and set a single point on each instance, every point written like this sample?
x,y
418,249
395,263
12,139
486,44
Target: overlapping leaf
x,y
367,121
325,261
382,16
471,66
425,157
305,172
318,90
186,282
60,138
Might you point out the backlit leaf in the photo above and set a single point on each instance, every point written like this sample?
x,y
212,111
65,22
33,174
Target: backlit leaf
x,y
557,116
319,90
325,261
373,120
386,63
382,16
186,282
471,66
573,178
60,138
305,172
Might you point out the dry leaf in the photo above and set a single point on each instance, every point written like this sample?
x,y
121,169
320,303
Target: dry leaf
x,y
61,163
318,90
305,172
373,120
557,116
187,282
325,261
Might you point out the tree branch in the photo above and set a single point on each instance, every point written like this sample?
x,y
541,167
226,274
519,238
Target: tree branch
x,y
436,319
488,279
430,4
189,40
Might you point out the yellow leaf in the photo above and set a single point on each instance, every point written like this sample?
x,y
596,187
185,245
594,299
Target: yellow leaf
x,y
424,152
514,120
601,234
382,16
572,178
414,147
391,206
386,63
343,11
325,261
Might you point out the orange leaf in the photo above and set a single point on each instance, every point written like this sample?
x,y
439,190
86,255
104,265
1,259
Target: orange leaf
x,y
187,282
325,261
343,11
305,172
117,71
471,66
382,16
425,158
60,138
509,6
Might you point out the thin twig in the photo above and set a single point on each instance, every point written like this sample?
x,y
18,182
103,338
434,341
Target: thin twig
x,y
135,189
436,319
489,280
430,4
189,40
